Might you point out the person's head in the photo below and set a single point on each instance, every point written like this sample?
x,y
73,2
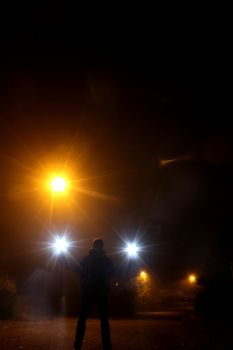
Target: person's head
x,y
98,244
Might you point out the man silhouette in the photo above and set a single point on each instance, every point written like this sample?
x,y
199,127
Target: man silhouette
x,y
96,271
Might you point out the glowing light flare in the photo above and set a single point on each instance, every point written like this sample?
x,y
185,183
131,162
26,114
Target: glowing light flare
x,y
132,249
192,278
58,184
60,245
143,276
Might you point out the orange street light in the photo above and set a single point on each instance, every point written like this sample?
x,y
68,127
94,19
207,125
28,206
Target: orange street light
x,y
192,278
143,276
58,184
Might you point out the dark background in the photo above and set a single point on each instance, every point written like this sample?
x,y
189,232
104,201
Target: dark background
x,y
109,94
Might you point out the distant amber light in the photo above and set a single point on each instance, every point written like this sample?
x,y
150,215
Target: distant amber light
x,y
58,184
192,279
143,276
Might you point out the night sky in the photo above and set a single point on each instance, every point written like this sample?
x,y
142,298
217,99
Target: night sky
x,y
110,101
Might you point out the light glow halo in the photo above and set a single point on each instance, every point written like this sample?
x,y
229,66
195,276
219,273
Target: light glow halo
x,y
58,184
60,245
132,249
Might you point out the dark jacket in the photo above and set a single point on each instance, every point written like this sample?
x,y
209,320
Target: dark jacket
x,y
96,271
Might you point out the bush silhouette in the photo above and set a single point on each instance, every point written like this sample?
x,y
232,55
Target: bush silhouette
x,y
7,298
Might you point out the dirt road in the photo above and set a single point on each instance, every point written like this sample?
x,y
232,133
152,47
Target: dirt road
x,y
155,333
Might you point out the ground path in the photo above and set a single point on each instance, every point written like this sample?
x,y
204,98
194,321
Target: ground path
x,y
164,331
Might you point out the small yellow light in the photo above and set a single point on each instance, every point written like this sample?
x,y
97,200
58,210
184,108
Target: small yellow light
x,y
58,184
192,279
143,276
